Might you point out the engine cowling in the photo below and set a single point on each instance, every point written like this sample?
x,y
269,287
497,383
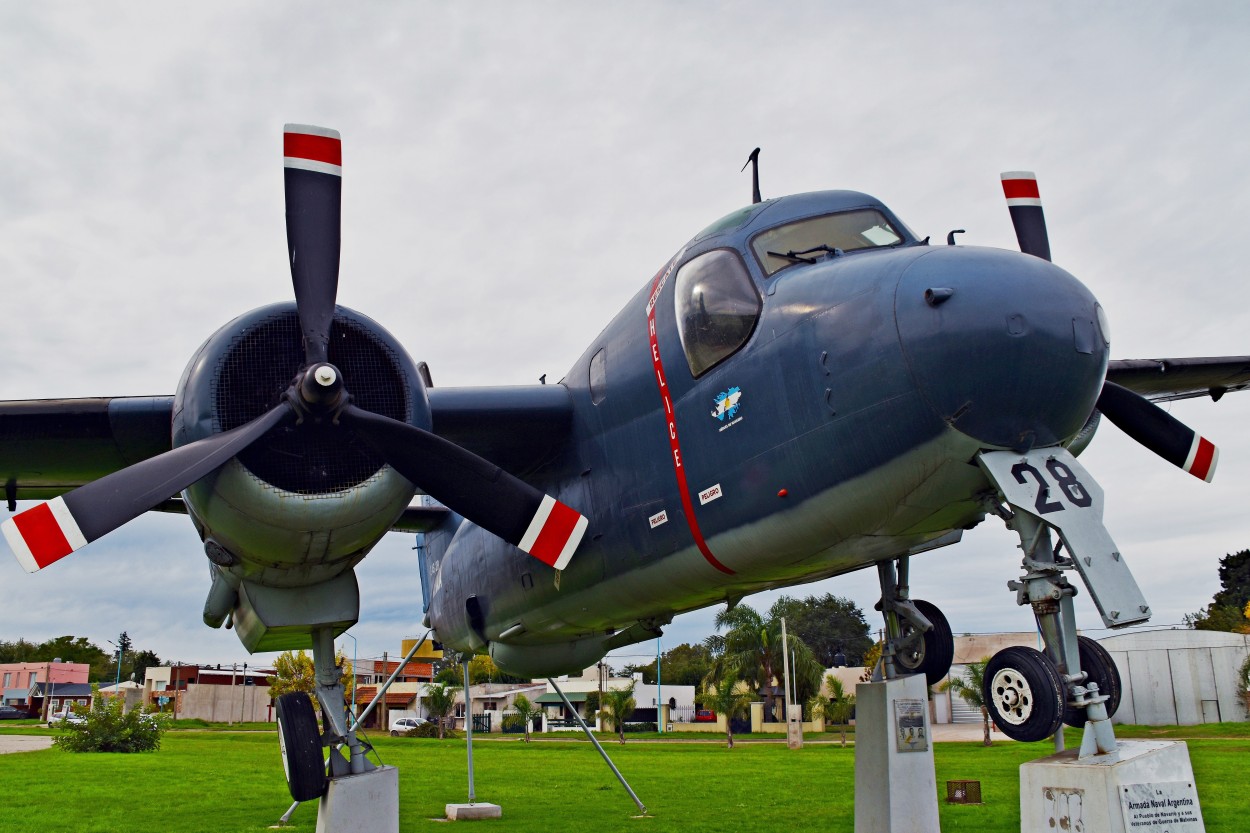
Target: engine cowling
x,y
299,506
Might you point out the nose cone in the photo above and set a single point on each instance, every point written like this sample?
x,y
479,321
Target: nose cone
x,y
1008,348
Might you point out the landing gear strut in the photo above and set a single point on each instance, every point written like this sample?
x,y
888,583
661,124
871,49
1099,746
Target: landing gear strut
x,y
918,638
1047,491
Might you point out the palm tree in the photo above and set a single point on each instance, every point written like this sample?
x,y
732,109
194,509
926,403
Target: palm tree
x,y
837,707
526,712
619,704
727,698
752,650
972,690
440,699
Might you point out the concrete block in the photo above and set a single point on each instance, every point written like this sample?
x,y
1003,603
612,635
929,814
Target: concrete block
x,y
472,812
364,803
895,786
1144,785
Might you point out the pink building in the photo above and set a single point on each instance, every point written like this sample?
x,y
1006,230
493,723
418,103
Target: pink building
x,y
18,678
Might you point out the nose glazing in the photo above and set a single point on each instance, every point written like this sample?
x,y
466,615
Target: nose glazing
x,y
1012,355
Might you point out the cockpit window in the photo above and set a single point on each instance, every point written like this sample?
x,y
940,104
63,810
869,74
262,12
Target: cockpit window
x,y
717,307
816,238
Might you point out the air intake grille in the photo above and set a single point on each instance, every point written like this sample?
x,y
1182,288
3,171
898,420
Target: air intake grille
x,y
257,368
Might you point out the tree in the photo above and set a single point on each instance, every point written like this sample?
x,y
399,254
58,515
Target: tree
x,y
526,712
439,700
727,698
683,665
829,625
972,690
871,657
753,653
837,707
295,672
1229,606
618,704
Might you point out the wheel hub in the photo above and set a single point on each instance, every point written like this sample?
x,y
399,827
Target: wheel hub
x,y
1012,695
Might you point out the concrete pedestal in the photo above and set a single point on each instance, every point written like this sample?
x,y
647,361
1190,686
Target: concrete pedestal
x,y
794,727
895,788
1144,785
364,803
470,812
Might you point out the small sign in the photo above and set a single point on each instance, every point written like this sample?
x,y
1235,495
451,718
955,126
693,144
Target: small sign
x,y
910,730
710,494
1170,806
659,518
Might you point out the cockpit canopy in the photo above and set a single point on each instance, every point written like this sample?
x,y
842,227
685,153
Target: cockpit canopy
x,y
810,239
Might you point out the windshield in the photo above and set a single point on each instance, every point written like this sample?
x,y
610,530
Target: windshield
x,y
806,241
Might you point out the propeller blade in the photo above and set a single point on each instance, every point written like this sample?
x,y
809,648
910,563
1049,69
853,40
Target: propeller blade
x,y
1024,202
313,160
1158,431
476,488
50,531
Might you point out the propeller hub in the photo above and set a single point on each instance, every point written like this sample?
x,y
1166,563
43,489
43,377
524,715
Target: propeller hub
x,y
321,388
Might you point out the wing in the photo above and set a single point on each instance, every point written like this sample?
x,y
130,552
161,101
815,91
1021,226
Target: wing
x,y
1165,380
50,446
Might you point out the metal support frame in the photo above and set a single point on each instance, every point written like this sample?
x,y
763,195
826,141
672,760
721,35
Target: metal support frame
x,y
897,609
642,809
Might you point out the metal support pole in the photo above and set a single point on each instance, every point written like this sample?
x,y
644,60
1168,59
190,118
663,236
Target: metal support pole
x,y
468,726
642,809
659,688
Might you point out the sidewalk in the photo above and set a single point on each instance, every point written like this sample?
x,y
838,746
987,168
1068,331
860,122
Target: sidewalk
x,y
23,743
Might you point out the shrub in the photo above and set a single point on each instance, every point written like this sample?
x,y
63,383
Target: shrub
x,y
430,730
108,728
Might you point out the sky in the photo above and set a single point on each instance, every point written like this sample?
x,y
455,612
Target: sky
x,y
515,171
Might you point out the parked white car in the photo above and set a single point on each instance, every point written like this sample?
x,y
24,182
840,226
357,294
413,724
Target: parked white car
x,y
406,723
66,717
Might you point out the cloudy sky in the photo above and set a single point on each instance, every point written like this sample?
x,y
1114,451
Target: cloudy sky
x,y
515,171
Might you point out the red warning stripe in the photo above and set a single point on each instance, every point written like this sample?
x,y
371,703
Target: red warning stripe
x,y
554,536
324,149
43,534
683,488
1202,459
1021,188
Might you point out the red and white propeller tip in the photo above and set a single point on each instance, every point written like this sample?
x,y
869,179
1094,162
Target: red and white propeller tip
x,y
554,533
1024,201
311,148
1202,459
43,534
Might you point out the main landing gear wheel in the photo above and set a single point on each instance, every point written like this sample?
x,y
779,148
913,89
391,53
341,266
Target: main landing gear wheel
x,y
1100,668
300,742
1024,693
936,650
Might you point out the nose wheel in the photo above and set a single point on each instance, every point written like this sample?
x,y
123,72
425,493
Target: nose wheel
x,y
1099,668
1024,694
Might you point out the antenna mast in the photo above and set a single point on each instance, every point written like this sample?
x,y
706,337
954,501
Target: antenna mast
x,y
754,161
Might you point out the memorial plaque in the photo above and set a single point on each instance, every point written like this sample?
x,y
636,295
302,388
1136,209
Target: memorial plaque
x,y
910,730
1165,807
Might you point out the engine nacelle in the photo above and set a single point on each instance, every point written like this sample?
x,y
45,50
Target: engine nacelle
x,y
298,507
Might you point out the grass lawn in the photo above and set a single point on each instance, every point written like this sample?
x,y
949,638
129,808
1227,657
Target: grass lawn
x,y
224,781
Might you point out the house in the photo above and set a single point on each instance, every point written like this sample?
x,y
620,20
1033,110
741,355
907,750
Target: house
x,y
22,683
556,716
56,697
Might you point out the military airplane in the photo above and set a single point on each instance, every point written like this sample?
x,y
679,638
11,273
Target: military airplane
x,y
806,388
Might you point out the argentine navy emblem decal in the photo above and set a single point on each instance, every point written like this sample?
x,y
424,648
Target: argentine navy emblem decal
x,y
728,405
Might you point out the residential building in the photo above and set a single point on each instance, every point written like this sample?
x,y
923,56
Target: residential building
x,y
22,683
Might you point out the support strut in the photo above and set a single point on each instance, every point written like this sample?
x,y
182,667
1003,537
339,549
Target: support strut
x,y
642,809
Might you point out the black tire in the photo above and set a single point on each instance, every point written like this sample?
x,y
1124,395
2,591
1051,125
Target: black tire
x,y
299,739
1098,664
933,658
394,733
1024,694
